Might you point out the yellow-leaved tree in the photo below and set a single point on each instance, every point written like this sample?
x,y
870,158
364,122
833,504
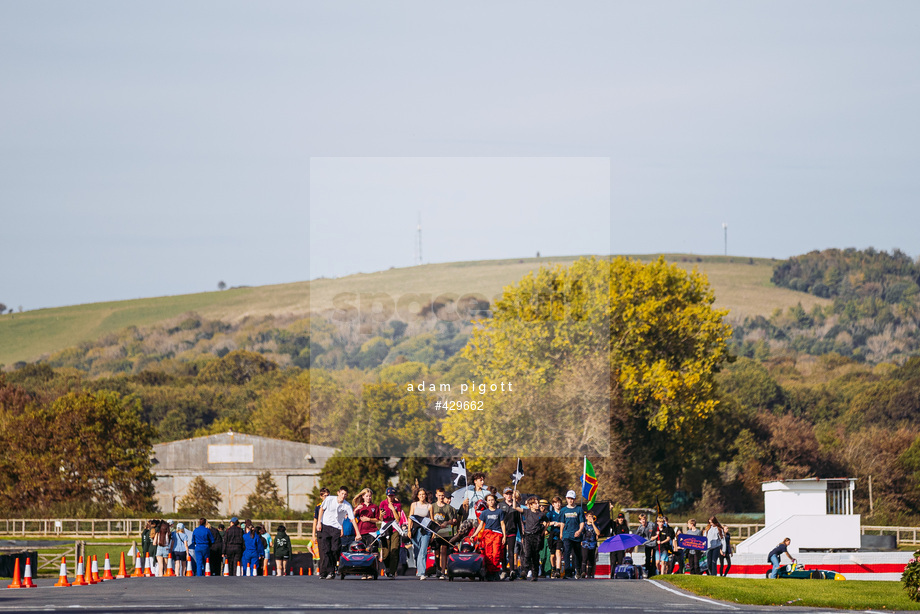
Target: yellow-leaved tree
x,y
610,358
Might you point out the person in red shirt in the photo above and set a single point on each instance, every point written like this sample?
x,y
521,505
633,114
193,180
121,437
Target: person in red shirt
x,y
366,517
389,510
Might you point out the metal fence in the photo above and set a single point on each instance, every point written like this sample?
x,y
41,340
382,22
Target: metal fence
x,y
905,535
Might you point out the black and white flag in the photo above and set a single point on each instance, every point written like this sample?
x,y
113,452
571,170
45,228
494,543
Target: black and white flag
x,y
518,473
427,523
459,471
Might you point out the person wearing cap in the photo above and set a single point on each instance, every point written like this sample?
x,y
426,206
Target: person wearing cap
x,y
512,523
390,510
201,542
619,527
233,544
573,526
182,539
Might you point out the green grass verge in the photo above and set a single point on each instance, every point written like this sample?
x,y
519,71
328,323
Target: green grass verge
x,y
854,594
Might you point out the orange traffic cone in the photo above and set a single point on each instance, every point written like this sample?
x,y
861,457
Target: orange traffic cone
x,y
27,577
301,571
122,568
107,569
89,571
188,570
207,567
95,579
169,566
17,583
138,567
226,567
80,580
148,571
62,581
265,567
239,569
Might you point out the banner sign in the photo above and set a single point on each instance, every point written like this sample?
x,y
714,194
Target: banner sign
x,y
691,542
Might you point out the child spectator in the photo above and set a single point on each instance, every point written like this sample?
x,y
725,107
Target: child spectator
x,y
589,546
494,536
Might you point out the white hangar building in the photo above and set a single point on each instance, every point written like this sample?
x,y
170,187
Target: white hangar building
x,y
231,462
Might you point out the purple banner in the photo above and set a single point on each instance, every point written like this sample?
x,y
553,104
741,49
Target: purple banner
x,y
691,542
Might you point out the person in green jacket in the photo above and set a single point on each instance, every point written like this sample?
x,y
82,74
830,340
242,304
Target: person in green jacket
x,y
147,547
282,550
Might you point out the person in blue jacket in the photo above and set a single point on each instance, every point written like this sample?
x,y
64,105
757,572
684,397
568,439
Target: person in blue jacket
x,y
201,541
252,547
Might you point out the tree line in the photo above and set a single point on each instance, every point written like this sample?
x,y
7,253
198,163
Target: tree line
x,y
628,363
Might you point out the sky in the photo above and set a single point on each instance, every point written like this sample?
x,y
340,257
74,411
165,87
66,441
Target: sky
x,y
156,148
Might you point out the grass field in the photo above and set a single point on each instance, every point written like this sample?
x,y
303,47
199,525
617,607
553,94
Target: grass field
x,y
741,285
855,595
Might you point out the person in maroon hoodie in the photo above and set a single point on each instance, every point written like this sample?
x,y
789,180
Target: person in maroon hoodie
x,y
389,510
366,516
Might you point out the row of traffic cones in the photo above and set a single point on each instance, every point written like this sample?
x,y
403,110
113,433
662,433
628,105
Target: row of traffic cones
x,y
89,574
22,582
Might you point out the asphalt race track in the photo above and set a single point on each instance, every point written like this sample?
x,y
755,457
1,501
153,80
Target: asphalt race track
x,y
404,594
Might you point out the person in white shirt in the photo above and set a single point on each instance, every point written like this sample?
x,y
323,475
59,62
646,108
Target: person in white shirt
x,y
477,493
332,513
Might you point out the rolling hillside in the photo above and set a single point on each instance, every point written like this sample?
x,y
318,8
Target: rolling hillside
x,y
741,285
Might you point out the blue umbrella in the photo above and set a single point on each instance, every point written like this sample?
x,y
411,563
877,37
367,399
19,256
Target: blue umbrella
x,y
624,541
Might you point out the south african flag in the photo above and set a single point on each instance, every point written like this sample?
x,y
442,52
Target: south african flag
x,y
589,484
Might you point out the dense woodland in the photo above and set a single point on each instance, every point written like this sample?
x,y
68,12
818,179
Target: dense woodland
x,y
834,392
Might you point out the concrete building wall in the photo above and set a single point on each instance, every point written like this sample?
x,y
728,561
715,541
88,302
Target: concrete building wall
x,y
231,462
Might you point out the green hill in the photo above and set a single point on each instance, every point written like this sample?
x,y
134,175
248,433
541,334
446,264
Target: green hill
x,y
741,284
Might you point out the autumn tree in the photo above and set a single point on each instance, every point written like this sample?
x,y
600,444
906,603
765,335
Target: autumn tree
x,y
236,368
391,421
201,499
87,446
265,502
634,347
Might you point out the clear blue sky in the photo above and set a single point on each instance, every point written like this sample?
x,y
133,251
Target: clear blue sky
x,y
152,148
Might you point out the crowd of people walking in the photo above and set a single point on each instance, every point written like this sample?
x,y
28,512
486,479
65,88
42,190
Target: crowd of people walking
x,y
531,539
